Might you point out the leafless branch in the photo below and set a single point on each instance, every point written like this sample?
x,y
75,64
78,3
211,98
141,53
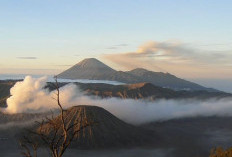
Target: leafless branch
x,y
56,135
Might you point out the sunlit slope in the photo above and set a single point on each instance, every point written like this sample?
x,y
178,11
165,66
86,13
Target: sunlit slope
x,y
106,129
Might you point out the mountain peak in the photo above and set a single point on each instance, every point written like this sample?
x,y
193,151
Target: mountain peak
x,y
139,71
89,68
89,60
114,131
92,63
93,69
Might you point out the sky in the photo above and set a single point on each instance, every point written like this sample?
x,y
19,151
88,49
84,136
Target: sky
x,y
189,38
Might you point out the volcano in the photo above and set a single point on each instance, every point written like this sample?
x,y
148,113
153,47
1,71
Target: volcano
x,y
90,68
106,131
93,69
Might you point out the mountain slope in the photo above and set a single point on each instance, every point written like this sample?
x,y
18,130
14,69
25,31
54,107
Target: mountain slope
x,y
143,91
87,69
93,69
107,130
5,87
146,91
166,80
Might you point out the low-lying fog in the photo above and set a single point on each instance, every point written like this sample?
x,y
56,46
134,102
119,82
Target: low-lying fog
x,y
182,137
51,79
185,137
29,95
100,153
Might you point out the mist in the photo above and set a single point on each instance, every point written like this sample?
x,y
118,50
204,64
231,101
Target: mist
x,y
23,124
29,95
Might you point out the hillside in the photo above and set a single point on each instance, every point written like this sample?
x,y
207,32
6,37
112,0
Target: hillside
x,y
143,91
88,68
177,138
106,131
93,69
5,87
166,80
146,91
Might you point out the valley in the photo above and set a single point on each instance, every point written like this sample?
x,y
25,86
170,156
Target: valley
x,y
177,136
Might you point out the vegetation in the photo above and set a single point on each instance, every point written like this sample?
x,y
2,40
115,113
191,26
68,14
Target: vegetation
x,y
220,152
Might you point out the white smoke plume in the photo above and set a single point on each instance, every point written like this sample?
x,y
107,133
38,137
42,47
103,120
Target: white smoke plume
x,y
30,96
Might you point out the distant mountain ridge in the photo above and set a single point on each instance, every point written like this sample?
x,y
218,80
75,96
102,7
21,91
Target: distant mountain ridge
x,y
94,69
166,80
142,91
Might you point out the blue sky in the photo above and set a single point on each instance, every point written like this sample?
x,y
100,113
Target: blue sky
x,y
46,36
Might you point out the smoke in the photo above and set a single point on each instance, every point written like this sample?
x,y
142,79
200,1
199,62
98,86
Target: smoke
x,y
176,58
30,96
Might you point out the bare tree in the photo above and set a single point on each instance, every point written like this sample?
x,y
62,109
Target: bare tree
x,y
56,133
28,144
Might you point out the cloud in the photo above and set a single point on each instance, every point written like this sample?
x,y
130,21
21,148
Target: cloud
x,y
114,47
174,57
27,58
29,95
